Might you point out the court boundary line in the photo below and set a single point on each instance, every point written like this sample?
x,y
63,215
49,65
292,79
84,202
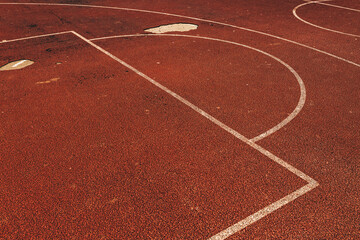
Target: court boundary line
x,y
311,183
36,36
294,11
278,126
192,18
338,6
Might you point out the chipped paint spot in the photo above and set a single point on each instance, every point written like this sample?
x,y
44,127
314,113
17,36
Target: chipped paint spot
x,y
16,65
113,201
49,81
176,27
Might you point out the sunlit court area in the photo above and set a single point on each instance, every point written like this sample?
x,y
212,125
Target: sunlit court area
x,y
180,119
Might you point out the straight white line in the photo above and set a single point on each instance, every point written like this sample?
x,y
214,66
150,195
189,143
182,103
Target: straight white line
x,y
294,113
192,18
261,213
317,26
32,37
337,6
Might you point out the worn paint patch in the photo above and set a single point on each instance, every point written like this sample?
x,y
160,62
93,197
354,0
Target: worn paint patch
x,y
16,65
49,81
176,27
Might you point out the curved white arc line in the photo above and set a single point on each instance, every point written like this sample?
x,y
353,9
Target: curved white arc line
x,y
337,6
262,212
272,130
192,18
203,113
317,26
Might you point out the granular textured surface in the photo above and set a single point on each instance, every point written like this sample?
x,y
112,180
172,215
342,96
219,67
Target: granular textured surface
x,y
244,127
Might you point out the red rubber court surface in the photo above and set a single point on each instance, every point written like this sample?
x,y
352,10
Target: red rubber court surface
x,y
246,127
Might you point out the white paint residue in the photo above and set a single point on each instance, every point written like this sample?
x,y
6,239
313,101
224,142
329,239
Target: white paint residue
x,y
49,81
176,27
16,65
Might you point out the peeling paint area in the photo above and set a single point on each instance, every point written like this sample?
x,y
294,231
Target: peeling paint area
x,y
49,81
16,65
176,27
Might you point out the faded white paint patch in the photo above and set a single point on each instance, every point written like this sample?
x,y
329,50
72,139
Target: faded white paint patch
x,y
49,81
16,65
176,27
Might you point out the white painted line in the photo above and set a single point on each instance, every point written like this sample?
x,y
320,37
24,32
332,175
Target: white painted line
x,y
32,37
337,6
302,98
317,26
202,112
261,213
192,18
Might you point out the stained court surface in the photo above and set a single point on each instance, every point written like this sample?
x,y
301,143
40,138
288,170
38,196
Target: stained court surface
x,y
233,121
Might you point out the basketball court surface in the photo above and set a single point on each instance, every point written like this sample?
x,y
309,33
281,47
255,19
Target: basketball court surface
x,y
179,119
